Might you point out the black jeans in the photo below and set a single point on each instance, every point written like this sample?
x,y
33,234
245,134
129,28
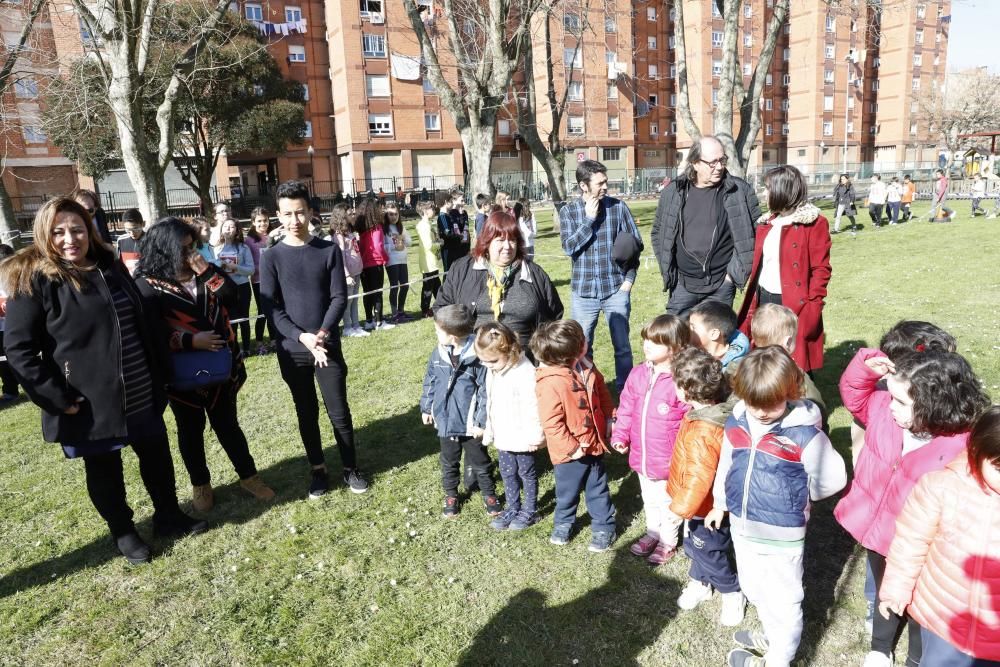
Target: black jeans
x,y
432,283
147,435
398,277
681,300
9,382
261,322
886,632
225,423
372,278
763,296
242,311
332,379
875,213
477,460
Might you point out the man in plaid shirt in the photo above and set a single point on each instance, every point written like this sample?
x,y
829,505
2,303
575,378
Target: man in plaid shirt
x,y
588,229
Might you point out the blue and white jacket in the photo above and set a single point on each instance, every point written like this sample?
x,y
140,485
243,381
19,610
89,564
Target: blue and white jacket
x,y
767,482
455,396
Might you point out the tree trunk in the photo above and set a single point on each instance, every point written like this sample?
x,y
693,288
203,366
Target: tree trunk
x,y
477,141
8,219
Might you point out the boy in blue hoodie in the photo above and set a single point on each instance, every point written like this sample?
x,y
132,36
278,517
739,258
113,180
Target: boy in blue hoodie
x,y
775,460
713,329
454,400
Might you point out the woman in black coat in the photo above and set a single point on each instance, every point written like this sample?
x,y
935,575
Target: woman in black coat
x,y
79,340
499,284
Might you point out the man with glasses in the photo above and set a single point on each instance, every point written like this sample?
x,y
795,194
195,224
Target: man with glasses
x,y
703,234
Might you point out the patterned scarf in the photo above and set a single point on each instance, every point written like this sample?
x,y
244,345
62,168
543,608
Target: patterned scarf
x,y
498,282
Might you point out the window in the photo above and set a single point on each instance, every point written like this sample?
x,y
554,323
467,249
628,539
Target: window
x,y
613,124
828,129
914,106
746,69
747,40
432,122
716,68
801,152
673,71
768,104
673,127
653,71
876,61
652,153
785,104
850,127
937,37
747,10
505,155
875,84
650,13
654,129
305,92
715,11
921,10
610,57
918,59
768,80
788,28
610,25
293,14
369,7
573,58
715,96
850,102
380,124
253,12
609,154
784,128
296,54
673,14
828,76
716,36
767,130
26,89
830,51
503,128
786,54
913,128
920,37
915,84
831,23
873,129
785,79
575,125
612,91
671,42
653,100
576,90
373,46
428,86
307,132
34,135
673,99
651,43
377,85
571,23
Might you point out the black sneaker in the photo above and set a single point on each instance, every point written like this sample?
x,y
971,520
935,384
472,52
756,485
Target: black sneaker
x,y
493,505
450,507
133,548
354,480
319,484
179,525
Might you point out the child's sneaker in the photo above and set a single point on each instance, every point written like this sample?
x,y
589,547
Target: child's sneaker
x,y
751,639
733,609
523,520
739,657
877,659
601,541
493,506
661,554
354,481
450,507
560,534
503,521
643,546
693,595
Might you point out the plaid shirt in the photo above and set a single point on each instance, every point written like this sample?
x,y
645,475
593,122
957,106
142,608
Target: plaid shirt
x,y
589,243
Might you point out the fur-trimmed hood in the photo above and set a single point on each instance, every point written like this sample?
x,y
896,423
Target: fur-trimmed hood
x,y
805,214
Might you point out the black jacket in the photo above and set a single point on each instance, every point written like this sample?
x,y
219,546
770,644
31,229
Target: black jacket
x,y
63,343
741,209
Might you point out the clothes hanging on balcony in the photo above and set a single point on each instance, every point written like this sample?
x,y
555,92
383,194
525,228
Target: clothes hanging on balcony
x,y
406,68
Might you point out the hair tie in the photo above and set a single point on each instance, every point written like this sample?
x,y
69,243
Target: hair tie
x,y
919,347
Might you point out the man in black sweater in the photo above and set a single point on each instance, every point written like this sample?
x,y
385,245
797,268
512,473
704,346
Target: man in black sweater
x,y
304,292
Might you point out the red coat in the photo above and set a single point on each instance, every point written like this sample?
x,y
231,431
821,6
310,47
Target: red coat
x,y
805,272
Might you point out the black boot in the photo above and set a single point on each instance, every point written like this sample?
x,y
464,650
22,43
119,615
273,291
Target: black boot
x,y
133,548
178,525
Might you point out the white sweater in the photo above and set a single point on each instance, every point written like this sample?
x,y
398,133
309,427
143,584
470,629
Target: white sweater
x,y
512,422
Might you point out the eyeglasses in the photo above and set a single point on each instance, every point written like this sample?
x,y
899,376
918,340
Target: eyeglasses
x,y
721,162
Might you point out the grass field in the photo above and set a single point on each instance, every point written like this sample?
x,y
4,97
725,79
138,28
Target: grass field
x,y
380,579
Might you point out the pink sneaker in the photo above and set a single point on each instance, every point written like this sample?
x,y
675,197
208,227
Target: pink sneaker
x,y
644,546
661,554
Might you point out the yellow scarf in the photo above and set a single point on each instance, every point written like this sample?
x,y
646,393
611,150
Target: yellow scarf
x,y
498,281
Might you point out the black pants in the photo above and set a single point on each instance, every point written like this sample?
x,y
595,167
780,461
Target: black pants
x,y
261,322
191,438
332,379
886,632
372,278
242,311
398,277
477,460
875,213
681,300
147,435
432,283
709,553
9,382
763,296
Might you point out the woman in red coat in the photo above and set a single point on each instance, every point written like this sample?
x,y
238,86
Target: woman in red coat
x,y
791,266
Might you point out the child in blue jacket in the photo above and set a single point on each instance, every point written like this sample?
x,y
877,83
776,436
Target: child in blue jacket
x,y
454,400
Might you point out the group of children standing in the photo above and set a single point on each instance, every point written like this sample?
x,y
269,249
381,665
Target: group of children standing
x,y
730,448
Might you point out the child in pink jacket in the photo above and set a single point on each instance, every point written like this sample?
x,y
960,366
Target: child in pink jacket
x,y
917,425
648,418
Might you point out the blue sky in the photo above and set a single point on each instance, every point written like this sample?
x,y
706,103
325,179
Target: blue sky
x,y
972,40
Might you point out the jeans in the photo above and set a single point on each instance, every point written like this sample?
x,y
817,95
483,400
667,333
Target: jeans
x,y
841,209
709,554
517,469
893,212
106,478
617,309
907,213
372,279
976,207
242,311
333,386
681,300
886,632
477,460
351,320
586,474
398,277
225,423
940,652
432,283
875,213
261,322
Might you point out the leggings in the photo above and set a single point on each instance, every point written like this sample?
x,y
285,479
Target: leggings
x,y
886,632
261,322
432,283
398,277
372,278
242,311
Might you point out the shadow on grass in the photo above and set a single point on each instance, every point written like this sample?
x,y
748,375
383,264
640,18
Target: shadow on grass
x,y
382,446
620,618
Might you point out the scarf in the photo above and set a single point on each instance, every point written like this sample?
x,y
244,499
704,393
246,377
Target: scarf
x,y
498,282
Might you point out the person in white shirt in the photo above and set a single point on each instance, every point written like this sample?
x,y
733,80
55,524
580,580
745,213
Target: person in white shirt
x,y
877,195
894,197
978,194
528,226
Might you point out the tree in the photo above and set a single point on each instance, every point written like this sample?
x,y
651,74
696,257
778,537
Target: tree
x,y
484,40
9,73
971,103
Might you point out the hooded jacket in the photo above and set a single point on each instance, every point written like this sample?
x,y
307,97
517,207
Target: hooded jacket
x,y
883,476
455,395
946,570
804,264
648,417
512,422
695,460
574,406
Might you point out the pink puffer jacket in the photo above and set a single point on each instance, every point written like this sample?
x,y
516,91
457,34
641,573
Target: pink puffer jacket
x,y
372,243
883,477
945,560
648,418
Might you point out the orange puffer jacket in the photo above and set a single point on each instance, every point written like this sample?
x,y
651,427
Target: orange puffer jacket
x,y
575,408
944,561
695,460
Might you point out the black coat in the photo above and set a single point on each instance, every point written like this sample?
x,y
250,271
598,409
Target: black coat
x,y
63,343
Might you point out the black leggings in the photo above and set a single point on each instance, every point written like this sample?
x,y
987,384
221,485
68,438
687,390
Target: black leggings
x,y
225,423
398,277
7,378
886,632
333,386
372,278
261,321
242,311
432,283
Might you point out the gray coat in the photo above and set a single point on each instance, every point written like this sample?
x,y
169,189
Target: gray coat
x,y
742,210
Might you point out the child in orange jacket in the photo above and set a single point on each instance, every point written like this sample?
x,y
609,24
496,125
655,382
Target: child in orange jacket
x,y
575,409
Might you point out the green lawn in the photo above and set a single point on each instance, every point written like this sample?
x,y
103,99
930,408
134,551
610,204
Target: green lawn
x,y
380,579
